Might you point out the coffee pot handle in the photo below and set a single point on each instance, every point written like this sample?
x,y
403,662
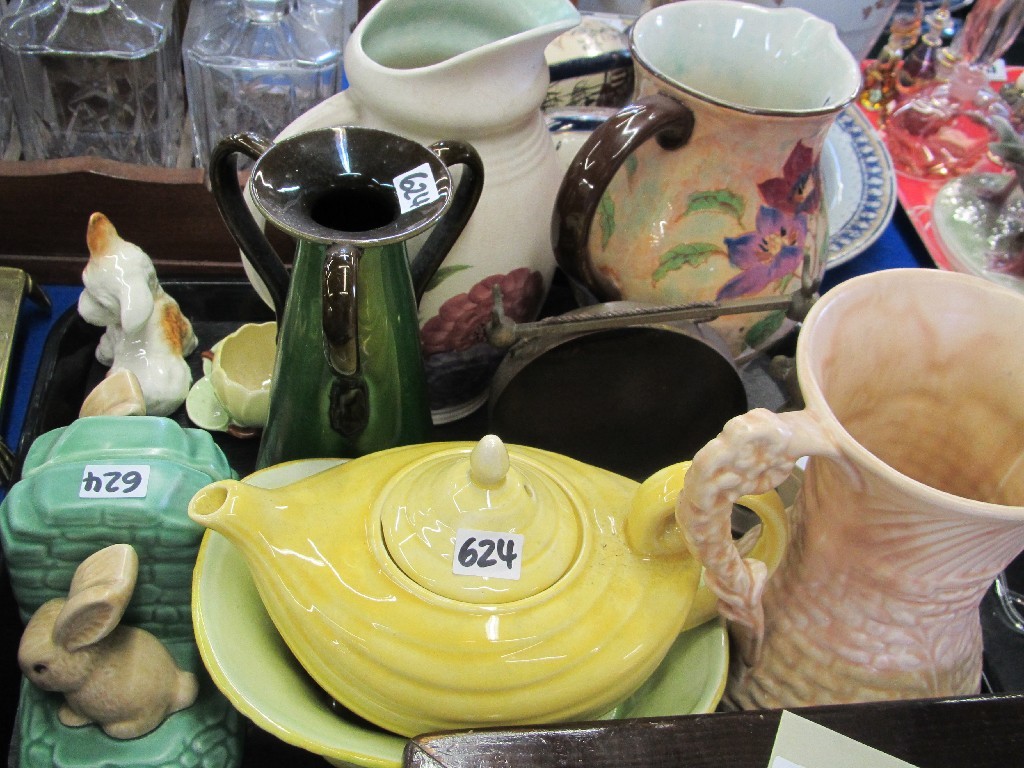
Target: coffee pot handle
x,y
755,452
444,234
592,169
239,219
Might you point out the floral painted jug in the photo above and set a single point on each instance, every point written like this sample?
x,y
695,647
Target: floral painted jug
x,y
726,202
471,71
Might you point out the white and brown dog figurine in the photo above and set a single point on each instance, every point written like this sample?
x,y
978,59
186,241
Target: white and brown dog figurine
x,y
146,332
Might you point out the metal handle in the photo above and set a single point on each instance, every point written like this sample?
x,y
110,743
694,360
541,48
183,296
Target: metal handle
x,y
15,285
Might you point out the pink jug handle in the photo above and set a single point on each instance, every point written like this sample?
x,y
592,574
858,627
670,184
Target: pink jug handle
x,y
651,530
592,169
754,453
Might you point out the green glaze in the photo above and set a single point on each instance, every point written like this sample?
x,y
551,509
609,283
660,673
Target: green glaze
x,y
391,365
47,530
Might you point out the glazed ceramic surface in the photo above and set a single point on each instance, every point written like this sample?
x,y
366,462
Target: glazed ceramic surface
x,y
912,500
977,223
255,669
475,72
858,180
752,226
77,495
415,631
348,377
234,390
590,64
145,330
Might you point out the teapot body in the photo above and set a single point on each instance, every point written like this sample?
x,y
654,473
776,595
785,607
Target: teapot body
x,y
379,596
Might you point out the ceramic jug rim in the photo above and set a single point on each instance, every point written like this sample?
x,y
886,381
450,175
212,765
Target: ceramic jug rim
x,y
277,192
566,18
893,281
715,14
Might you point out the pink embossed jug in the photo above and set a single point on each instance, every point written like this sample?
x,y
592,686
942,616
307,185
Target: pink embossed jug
x,y
911,503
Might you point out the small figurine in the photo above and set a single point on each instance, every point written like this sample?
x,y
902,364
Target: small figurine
x,y
119,394
146,331
121,678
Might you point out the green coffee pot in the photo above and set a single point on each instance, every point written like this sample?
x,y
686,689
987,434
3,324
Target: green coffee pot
x,y
348,378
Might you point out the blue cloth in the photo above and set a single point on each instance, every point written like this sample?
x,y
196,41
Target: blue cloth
x,y
34,325
898,246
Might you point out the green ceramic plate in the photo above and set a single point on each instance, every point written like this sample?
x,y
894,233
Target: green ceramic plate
x,y
252,666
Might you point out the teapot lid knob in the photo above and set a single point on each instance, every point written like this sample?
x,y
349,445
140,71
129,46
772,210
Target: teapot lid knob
x,y
438,508
488,462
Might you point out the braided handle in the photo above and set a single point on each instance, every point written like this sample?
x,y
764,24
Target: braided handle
x,y
754,453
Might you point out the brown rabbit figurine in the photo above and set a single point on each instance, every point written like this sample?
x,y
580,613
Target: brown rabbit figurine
x,y
121,678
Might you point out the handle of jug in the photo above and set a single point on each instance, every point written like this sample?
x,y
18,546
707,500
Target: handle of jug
x,y
755,451
447,230
658,116
651,529
249,236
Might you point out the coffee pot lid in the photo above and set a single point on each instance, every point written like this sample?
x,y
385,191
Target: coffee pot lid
x,y
481,526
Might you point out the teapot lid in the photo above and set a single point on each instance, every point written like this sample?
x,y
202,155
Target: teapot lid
x,y
481,525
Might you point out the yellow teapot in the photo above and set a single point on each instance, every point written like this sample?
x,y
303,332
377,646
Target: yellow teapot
x,y
458,585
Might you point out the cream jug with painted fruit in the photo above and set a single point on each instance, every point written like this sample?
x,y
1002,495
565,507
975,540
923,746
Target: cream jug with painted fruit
x,y
474,71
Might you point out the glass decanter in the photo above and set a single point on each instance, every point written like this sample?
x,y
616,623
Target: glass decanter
x,y
944,129
256,65
96,77
920,66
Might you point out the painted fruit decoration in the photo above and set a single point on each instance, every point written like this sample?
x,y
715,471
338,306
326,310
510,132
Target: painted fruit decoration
x,y
458,359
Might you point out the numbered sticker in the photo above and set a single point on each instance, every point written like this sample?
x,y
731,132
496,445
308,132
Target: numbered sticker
x,y
416,188
996,71
114,481
485,553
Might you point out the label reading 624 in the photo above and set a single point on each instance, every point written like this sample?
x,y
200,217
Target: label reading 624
x,y
114,481
486,553
416,188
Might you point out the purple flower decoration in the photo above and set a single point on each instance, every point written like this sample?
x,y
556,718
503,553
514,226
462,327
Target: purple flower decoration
x,y
795,191
775,250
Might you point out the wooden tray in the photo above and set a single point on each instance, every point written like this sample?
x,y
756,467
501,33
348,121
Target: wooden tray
x,y
168,212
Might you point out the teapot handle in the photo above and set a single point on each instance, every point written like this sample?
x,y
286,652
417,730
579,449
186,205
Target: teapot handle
x,y
651,529
444,234
238,218
592,170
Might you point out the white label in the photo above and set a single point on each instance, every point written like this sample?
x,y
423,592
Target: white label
x,y
781,762
416,188
996,71
486,553
114,481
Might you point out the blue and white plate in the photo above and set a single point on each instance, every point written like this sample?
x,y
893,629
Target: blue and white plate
x,y
858,176
860,186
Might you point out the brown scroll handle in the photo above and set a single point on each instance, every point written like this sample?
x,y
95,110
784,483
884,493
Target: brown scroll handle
x,y
237,218
447,230
658,116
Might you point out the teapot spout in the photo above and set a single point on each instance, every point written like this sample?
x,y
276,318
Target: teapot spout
x,y
225,507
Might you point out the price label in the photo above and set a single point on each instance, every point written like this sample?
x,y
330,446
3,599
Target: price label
x,y
486,553
996,71
416,188
114,481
